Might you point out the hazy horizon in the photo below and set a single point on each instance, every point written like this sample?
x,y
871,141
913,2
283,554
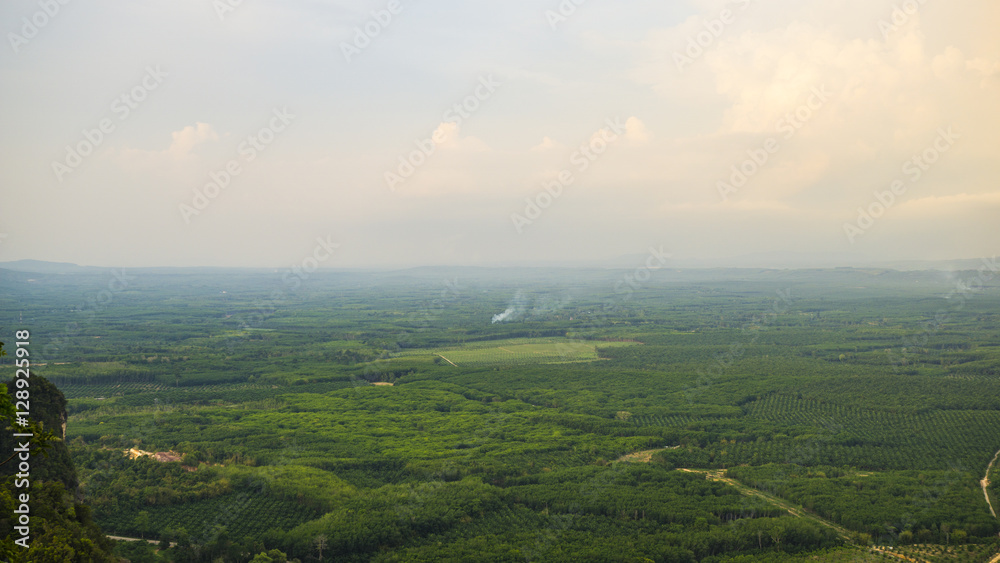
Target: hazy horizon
x,y
619,263
530,133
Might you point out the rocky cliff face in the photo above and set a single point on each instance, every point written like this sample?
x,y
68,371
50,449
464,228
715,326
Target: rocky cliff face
x,y
61,529
48,406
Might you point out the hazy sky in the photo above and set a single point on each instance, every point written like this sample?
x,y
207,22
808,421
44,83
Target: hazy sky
x,y
666,98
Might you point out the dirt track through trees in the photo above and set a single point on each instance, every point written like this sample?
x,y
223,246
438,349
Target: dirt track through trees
x,y
447,360
985,483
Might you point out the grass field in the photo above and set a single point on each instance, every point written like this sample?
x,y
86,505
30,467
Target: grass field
x,y
523,351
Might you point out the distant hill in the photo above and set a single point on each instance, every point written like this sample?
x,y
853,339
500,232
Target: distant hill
x,y
42,267
799,261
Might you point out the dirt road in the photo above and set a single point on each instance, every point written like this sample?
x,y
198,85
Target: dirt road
x,y
985,483
447,360
796,511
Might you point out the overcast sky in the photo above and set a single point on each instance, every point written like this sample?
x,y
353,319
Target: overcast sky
x,y
665,98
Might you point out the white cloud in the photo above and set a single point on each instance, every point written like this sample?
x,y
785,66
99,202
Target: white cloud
x,y
189,137
635,131
448,135
546,145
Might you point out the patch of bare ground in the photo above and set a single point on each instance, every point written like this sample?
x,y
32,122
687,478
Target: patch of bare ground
x,y
645,456
162,457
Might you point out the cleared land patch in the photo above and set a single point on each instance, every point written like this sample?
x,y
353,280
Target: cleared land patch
x,y
523,351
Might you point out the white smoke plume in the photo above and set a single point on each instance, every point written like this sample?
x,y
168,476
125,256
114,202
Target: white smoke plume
x,y
503,316
516,305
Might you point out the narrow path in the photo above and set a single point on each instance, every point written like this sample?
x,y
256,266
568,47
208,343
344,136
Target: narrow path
x,y
986,484
447,360
798,512
788,507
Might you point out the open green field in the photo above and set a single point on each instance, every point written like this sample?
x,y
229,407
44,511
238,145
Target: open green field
x,y
522,351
